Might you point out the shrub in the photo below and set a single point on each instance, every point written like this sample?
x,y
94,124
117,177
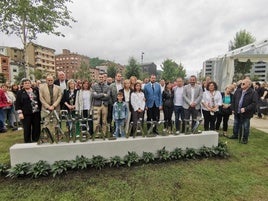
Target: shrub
x,y
177,154
131,158
19,170
59,167
163,154
190,153
80,162
147,157
3,169
116,161
41,168
98,162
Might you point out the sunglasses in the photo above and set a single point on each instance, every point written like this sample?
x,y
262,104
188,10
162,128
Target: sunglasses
x,y
243,83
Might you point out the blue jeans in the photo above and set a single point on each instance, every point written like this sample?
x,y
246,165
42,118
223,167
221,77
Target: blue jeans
x,y
240,123
179,117
119,127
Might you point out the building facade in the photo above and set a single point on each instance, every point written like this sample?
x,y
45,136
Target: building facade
x,y
149,68
69,62
40,58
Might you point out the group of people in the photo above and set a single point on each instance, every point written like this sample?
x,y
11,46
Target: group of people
x,y
125,100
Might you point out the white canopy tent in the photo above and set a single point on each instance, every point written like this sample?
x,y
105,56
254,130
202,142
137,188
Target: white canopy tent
x,y
224,65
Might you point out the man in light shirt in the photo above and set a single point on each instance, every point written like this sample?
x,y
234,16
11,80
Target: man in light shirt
x,y
192,97
178,103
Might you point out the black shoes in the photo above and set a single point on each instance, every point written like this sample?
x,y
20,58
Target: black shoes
x,y
233,137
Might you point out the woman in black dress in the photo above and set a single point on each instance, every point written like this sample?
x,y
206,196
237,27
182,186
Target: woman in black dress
x,y
28,107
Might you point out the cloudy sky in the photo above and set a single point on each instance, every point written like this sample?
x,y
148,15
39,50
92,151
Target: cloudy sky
x,y
182,30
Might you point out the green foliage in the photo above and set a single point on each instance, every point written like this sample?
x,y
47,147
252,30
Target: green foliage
x,y
131,158
80,163
147,157
116,161
93,62
171,70
242,38
163,154
38,74
132,69
205,152
190,153
27,18
177,154
19,170
111,71
3,169
21,74
221,150
83,73
59,167
41,168
98,162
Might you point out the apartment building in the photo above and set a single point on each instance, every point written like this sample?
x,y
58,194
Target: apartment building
x,y
41,58
69,62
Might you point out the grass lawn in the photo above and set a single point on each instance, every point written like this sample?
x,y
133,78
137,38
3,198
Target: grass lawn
x,y
242,177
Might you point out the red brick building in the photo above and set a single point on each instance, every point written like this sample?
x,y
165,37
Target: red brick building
x,y
4,66
69,62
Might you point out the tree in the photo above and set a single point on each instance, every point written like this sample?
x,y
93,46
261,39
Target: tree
x,y
241,39
27,18
132,69
38,74
96,62
171,70
111,71
83,73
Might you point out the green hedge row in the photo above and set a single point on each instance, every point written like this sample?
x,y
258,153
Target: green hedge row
x,y
42,168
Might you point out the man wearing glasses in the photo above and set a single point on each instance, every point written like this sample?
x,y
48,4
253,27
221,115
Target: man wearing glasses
x,y
243,106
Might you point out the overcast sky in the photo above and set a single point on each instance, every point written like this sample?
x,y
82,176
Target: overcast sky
x,y
186,31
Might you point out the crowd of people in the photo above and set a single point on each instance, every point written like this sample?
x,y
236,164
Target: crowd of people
x,y
119,102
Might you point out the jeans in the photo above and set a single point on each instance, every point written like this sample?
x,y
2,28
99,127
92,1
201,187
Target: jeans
x,y
240,123
179,117
119,127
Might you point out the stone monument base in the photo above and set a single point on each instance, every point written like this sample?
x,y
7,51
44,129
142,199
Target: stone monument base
x,y
32,152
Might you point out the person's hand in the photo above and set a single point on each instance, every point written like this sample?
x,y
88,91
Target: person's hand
x,y
243,110
160,107
21,116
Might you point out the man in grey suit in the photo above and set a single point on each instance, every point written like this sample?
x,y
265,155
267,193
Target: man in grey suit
x,y
192,97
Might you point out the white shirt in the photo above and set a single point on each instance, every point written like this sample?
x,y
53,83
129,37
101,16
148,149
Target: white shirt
x,y
86,99
62,85
118,86
178,97
137,100
127,95
211,100
192,94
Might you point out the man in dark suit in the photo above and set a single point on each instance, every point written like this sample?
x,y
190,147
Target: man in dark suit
x,y
243,105
61,81
153,104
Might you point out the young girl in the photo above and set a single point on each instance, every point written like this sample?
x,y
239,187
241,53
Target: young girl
x,y
137,100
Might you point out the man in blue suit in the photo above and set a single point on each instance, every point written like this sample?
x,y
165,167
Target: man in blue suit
x,y
153,103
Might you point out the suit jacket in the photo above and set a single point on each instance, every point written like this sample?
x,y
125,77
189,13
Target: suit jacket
x,y
57,82
187,94
153,96
45,96
249,102
24,102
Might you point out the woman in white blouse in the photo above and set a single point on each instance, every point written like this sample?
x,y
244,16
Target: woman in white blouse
x,y
212,99
126,98
83,103
137,100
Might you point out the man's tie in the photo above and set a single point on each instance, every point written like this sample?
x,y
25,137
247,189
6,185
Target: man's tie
x,y
153,87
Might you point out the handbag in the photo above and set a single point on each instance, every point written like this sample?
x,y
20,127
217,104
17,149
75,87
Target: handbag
x,y
225,111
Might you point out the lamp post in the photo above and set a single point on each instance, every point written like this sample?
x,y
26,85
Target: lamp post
x,y
142,53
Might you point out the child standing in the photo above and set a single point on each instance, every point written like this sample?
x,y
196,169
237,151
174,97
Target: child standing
x,y
120,114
